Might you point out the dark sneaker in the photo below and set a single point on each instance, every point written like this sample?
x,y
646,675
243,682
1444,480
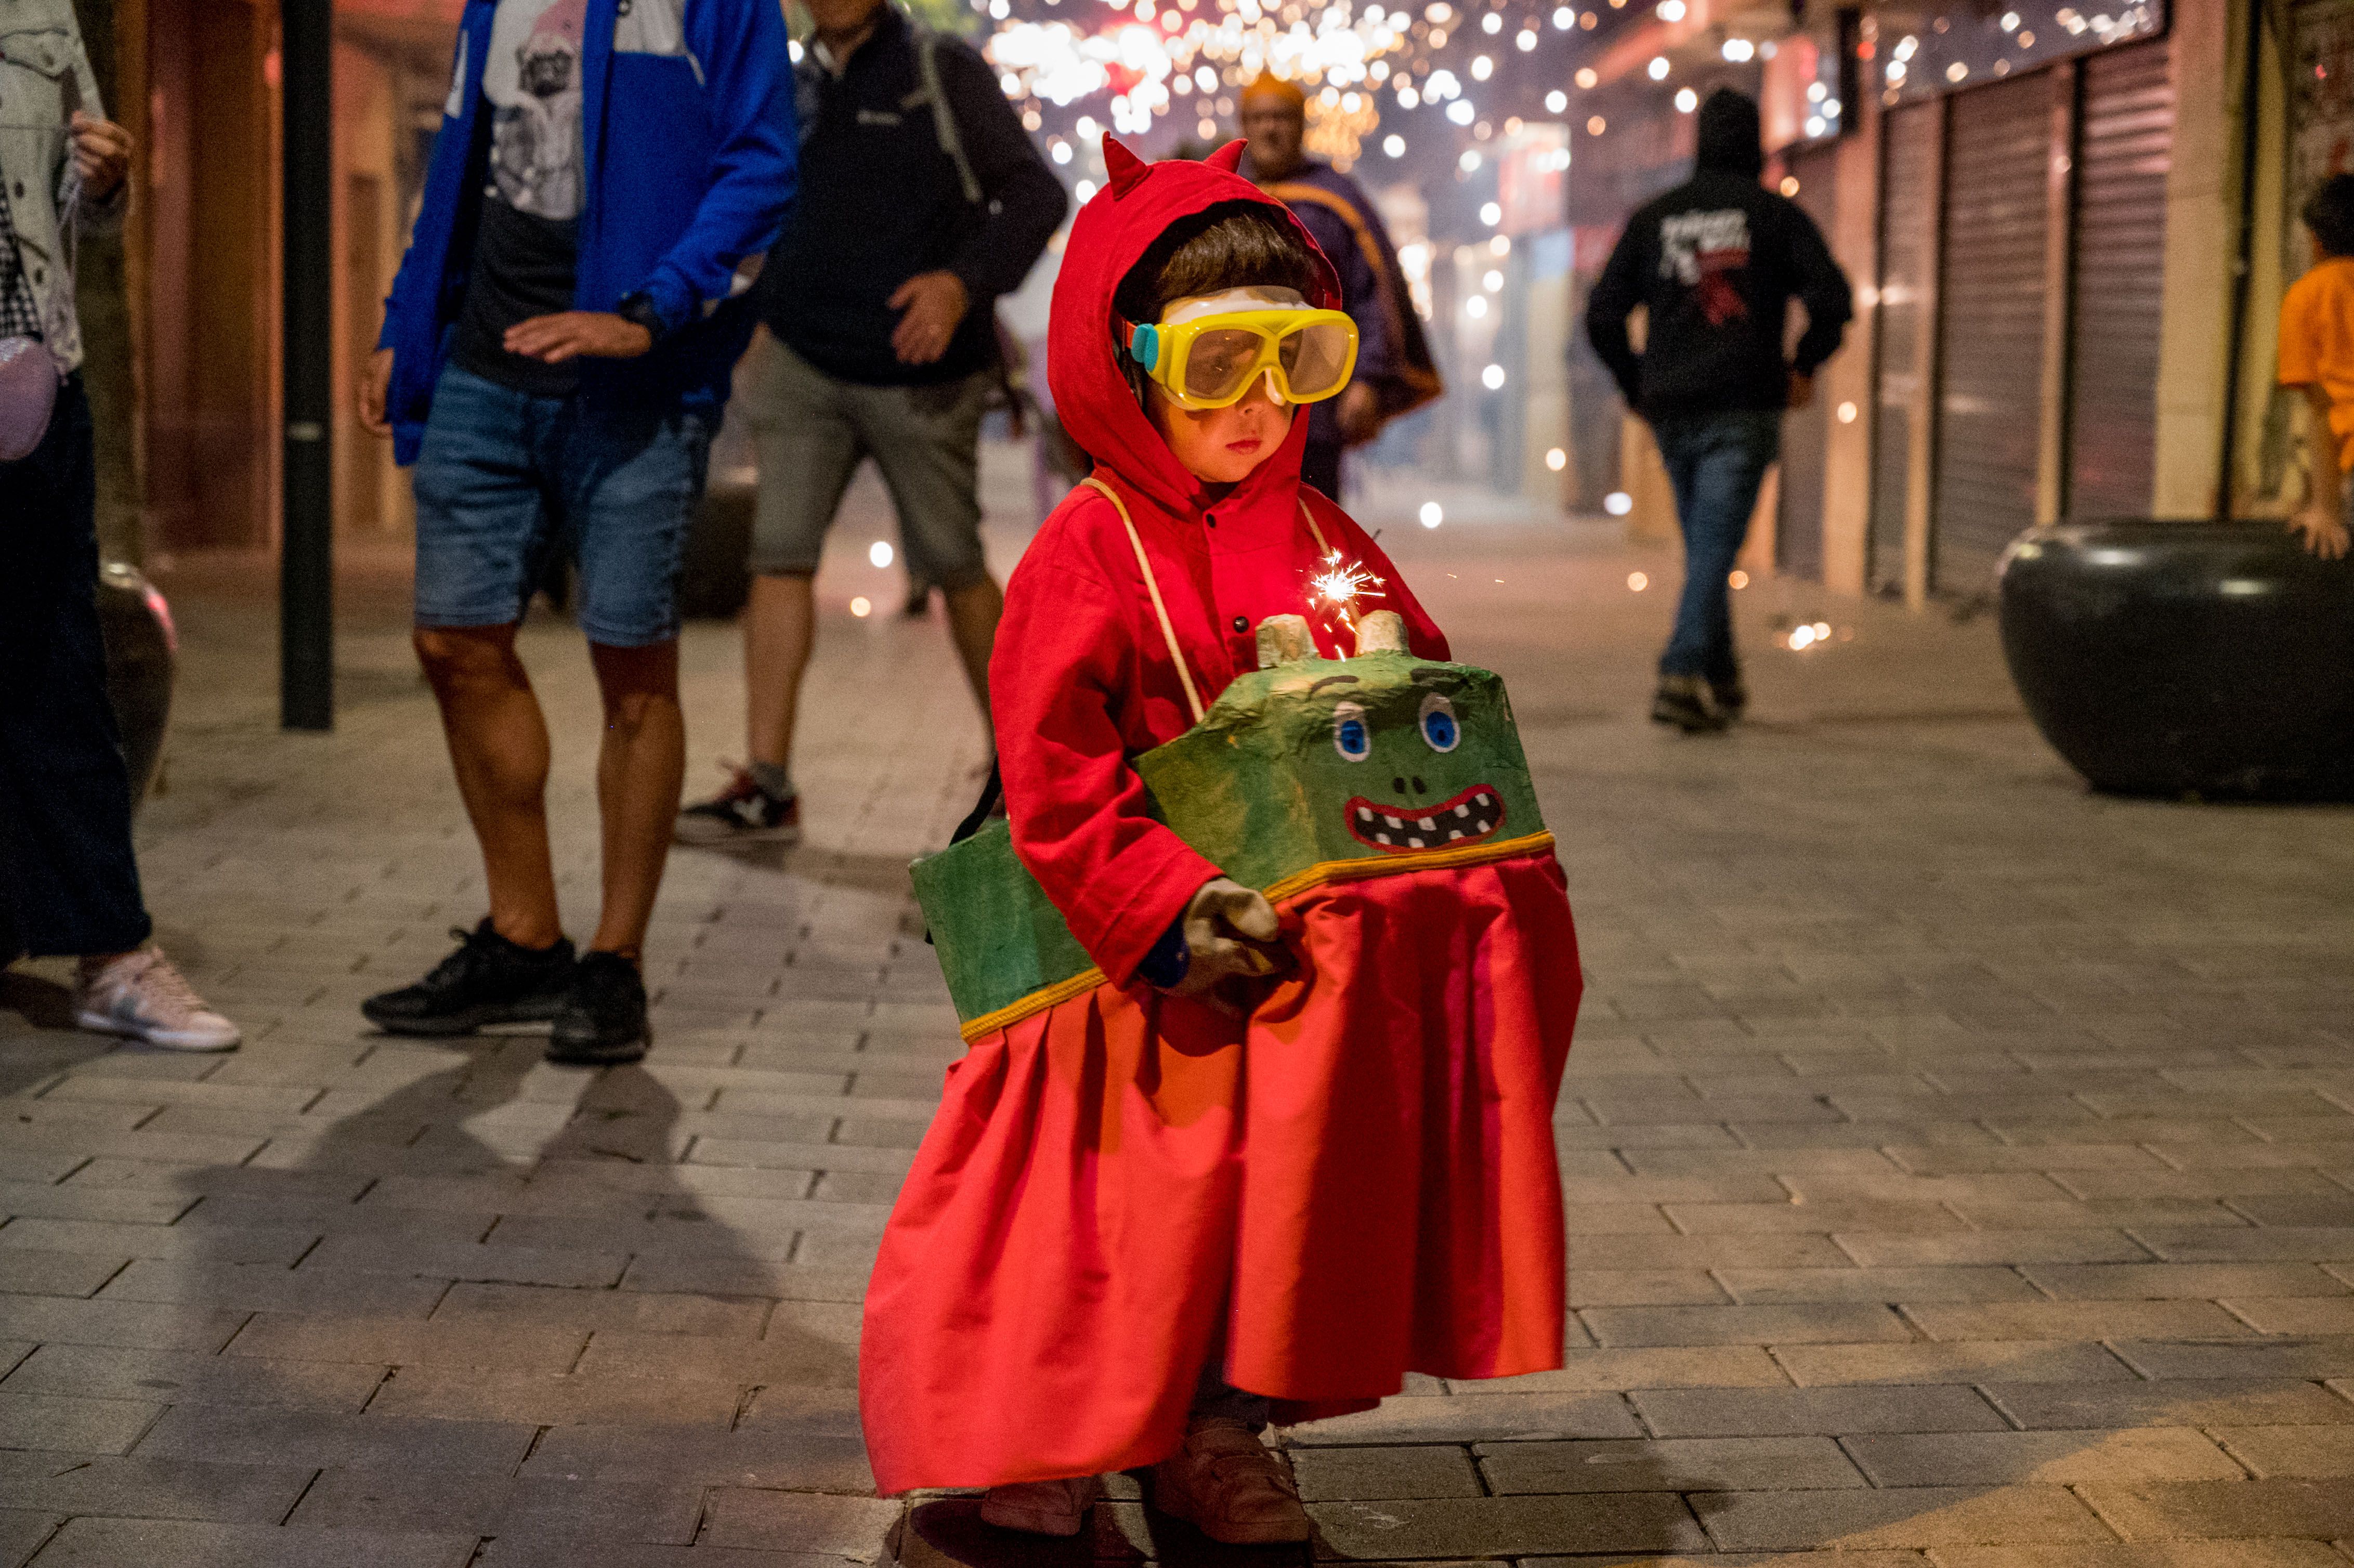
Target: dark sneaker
x,y
743,813
603,1020
1731,698
1684,701
487,979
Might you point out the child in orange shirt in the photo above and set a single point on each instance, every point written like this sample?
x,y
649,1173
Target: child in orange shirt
x,y
2317,353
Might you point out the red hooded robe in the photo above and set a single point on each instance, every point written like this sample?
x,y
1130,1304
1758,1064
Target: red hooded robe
x,y
1125,1185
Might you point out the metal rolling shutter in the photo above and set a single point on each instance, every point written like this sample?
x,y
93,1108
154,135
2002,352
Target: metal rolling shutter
x,y
1990,344
1798,536
2124,148
1908,174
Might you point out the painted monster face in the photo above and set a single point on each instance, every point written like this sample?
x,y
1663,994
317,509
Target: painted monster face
x,y
1325,760
1400,817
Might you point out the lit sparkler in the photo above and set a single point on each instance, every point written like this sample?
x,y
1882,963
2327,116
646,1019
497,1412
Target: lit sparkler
x,y
1341,591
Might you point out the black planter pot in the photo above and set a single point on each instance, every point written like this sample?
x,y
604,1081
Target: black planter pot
x,y
2164,658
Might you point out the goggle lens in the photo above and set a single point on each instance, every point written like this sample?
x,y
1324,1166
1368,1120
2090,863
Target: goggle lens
x,y
1316,359
1221,362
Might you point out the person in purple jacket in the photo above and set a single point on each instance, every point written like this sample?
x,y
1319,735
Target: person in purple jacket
x,y
556,351
1395,373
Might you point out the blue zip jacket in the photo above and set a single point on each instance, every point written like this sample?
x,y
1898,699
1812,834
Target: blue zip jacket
x,y
687,169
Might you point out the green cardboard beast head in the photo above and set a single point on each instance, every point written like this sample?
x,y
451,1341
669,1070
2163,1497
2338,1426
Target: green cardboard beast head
x,y
1307,761
1305,770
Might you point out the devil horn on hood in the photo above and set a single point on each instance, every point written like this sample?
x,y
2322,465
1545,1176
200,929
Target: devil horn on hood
x,y
1228,157
1124,166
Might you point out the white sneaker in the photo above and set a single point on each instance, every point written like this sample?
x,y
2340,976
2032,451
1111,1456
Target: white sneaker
x,y
142,996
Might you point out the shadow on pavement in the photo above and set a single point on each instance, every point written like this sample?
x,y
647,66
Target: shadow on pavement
x,y
46,1009
553,1346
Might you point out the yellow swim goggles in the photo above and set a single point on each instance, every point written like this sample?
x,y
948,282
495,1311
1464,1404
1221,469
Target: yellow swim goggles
x,y
1212,360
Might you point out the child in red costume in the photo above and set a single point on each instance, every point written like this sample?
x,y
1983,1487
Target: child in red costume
x,y
1099,1230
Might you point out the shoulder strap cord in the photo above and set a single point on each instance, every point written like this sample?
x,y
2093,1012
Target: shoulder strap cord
x,y
1322,549
1152,586
944,125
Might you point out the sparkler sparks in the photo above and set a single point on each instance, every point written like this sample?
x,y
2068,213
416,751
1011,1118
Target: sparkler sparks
x,y
1340,590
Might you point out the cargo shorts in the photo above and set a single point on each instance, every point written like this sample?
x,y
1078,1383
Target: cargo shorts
x,y
812,430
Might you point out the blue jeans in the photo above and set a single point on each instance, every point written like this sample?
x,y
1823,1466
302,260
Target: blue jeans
x,y
68,882
1716,461
507,480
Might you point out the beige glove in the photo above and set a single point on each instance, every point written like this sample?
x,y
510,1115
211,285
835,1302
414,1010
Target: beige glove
x,y
1231,933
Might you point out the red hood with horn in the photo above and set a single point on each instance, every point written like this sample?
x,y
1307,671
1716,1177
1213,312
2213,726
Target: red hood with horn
x,y
1092,398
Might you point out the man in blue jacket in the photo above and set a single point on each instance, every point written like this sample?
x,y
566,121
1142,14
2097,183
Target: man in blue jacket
x,y
555,353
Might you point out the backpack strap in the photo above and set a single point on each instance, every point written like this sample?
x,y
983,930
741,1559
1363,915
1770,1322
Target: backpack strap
x,y
944,125
1151,587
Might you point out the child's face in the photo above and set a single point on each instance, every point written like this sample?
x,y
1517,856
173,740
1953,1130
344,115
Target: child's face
x,y
1222,445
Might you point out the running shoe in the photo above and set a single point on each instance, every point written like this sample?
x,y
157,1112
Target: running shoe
x,y
487,979
743,813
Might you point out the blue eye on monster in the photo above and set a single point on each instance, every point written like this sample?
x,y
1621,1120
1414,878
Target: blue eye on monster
x,y
1350,738
1440,730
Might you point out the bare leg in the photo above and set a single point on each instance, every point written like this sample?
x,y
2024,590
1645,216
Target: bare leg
x,y
779,626
498,746
973,612
640,771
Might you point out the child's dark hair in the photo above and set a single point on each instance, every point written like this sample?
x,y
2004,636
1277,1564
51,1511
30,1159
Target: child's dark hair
x,y
1231,245
2329,213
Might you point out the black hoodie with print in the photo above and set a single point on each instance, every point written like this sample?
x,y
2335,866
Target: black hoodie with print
x,y
1712,261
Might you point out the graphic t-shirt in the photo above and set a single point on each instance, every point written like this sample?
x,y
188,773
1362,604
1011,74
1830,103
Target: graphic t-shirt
x,y
526,248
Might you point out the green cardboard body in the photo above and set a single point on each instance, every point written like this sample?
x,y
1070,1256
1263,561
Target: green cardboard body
x,y
1264,787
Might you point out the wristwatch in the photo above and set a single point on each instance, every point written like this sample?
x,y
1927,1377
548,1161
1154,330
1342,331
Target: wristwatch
x,y
638,306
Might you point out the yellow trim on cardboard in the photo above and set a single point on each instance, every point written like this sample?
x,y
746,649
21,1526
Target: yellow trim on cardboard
x,y
1326,870
1038,1000
1291,886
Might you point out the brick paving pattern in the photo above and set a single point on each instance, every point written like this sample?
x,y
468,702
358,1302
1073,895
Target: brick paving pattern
x,y
1960,1167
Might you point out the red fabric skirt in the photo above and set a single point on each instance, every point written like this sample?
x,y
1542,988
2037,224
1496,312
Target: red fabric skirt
x,y
1356,1182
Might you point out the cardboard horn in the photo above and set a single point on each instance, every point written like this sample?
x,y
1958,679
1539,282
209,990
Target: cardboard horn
x,y
1284,640
1124,167
1381,631
1228,157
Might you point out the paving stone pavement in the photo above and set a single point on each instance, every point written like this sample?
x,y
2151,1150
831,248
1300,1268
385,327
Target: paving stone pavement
x,y
1960,1166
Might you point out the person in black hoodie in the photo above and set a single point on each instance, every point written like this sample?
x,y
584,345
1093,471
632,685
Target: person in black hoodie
x,y
1713,262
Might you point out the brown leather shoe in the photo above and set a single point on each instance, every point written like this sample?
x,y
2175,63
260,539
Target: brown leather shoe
x,y
1042,1507
1226,1483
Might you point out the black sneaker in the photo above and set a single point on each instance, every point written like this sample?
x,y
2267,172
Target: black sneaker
x,y
603,1020
1684,701
487,979
1731,698
742,813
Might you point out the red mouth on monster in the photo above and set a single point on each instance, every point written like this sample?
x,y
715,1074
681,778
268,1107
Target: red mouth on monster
x,y
1401,830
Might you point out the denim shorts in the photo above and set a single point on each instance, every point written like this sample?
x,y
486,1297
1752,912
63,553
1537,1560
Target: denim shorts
x,y
812,431
507,483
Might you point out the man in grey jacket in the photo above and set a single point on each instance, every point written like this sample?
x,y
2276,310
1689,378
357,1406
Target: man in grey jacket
x,y
68,884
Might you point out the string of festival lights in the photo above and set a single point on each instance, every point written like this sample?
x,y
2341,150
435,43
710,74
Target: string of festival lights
x,y
1184,62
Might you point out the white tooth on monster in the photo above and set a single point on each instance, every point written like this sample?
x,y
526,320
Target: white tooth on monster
x,y
1428,826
